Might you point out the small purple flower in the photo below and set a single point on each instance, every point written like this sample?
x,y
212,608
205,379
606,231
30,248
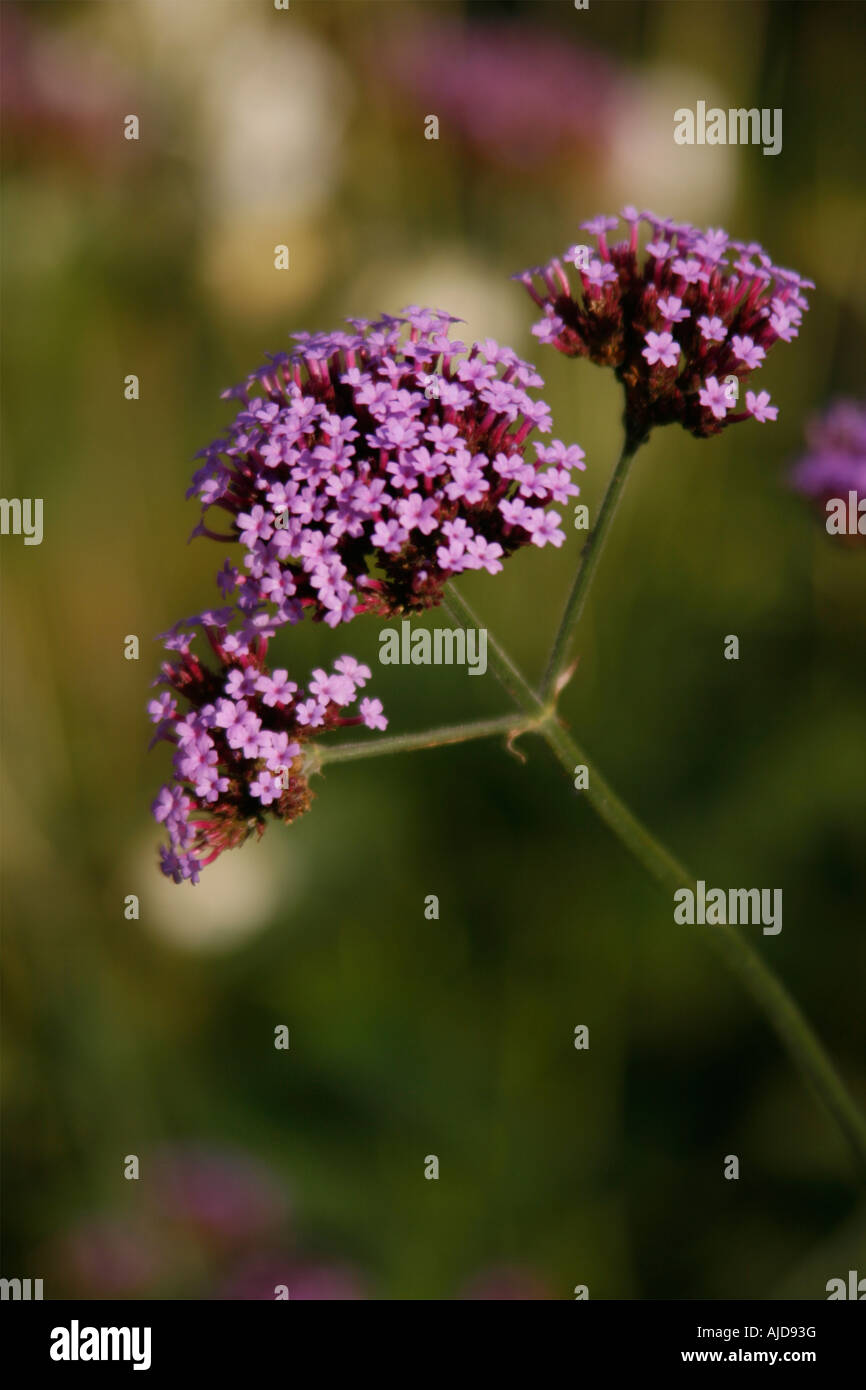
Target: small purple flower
x,y
512,511
746,351
389,536
658,249
712,328
566,456
163,707
310,713
276,689
171,805
266,787
759,406
255,526
543,527
326,688
661,347
598,274
482,554
348,666
371,714
240,683
714,396
671,309
419,514
549,329
599,225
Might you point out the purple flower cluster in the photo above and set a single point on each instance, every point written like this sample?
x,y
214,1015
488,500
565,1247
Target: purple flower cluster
x,y
700,308
366,468
238,740
362,471
835,461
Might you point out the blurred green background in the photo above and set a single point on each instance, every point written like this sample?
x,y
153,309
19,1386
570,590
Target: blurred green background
x,y
411,1037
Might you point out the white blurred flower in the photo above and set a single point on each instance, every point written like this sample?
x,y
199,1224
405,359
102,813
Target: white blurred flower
x,y
235,899
273,109
263,105
448,280
645,167
268,100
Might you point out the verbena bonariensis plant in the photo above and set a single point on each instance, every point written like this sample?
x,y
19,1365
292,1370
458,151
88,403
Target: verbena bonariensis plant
x,y
386,487
366,468
363,470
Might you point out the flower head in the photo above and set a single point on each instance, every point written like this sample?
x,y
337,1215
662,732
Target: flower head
x,y
238,741
674,324
344,477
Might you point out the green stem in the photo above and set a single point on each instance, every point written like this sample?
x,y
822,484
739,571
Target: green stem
x,y
500,663
589,558
772,998
429,738
796,1034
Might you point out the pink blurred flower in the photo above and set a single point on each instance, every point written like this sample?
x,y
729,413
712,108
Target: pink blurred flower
x,y
62,97
520,94
108,1257
260,1277
223,1195
506,1284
